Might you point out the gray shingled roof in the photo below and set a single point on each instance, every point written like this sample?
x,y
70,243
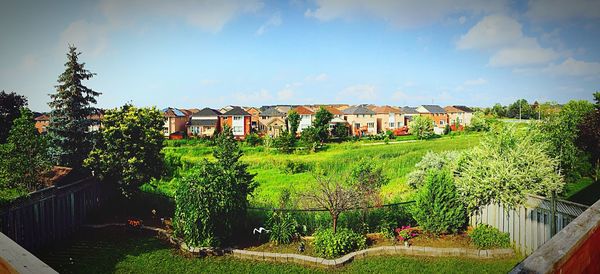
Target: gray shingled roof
x,y
409,110
272,112
434,108
357,110
203,122
206,112
464,108
236,111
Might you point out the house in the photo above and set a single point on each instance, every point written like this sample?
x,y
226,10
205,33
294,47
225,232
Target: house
x,y
175,121
361,119
408,113
437,113
306,117
459,114
272,122
254,118
388,118
204,123
42,122
97,118
238,120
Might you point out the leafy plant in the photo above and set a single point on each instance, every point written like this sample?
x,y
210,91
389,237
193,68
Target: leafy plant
x,y
293,122
422,127
478,122
405,233
485,236
254,140
431,161
332,244
292,167
321,124
283,227
438,207
310,138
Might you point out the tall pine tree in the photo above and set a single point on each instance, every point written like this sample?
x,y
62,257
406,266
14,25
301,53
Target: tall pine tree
x,y
70,120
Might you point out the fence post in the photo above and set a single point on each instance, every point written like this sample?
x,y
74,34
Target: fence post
x,y
553,215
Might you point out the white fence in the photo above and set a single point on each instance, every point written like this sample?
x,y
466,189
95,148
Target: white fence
x,y
530,225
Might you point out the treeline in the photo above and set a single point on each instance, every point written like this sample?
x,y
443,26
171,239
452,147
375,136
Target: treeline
x,y
521,109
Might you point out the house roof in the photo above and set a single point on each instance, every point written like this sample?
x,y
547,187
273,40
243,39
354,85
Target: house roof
x,y
43,117
206,112
172,112
433,109
272,112
252,110
338,120
386,109
236,111
302,110
357,110
409,110
334,110
203,122
458,109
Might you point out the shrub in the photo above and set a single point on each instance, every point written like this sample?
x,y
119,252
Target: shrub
x,y
283,227
331,245
422,127
254,140
431,161
485,236
479,122
438,208
285,142
291,167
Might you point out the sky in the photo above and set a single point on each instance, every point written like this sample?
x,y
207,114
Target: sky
x,y
195,54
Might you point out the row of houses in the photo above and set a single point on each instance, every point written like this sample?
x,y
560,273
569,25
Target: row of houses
x,y
272,120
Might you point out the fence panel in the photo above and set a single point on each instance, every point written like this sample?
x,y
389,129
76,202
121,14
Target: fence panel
x,y
530,225
49,214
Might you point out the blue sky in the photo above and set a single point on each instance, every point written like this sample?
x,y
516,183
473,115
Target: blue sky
x,y
215,53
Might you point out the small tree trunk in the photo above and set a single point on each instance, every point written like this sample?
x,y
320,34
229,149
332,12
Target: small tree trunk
x,y
335,218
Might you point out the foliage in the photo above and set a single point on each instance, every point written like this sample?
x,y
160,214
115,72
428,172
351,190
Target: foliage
x,y
560,133
310,138
504,167
254,140
520,109
321,124
293,122
485,236
340,131
405,233
367,180
331,195
70,119
438,206
282,226
129,148
211,202
479,122
588,138
431,161
498,111
294,167
23,158
421,126
331,244
447,129
285,142
10,106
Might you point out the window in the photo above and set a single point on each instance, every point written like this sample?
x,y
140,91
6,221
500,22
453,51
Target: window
x,y
391,124
441,122
238,129
357,125
399,124
370,125
237,118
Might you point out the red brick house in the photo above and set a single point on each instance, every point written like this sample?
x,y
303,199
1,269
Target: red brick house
x,y
42,122
238,120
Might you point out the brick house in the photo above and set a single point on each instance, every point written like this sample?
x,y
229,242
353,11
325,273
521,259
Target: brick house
x,y
438,114
175,121
254,118
460,114
204,123
362,120
41,123
388,118
306,117
238,120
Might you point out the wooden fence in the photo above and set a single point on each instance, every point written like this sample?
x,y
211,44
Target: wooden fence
x,y
49,214
530,225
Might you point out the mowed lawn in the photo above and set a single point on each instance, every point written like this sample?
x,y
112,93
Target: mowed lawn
x,y
397,160
114,250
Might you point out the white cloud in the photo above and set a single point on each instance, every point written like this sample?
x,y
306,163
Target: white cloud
x,y
503,36
252,97
365,93
556,10
400,13
317,78
274,21
574,67
87,37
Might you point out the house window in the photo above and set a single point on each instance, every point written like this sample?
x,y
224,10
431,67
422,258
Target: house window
x,y
237,118
391,124
238,129
441,122
371,125
357,125
399,124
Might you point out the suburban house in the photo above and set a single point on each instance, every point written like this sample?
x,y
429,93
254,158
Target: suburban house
x,y
459,114
204,123
272,122
361,119
338,116
175,121
306,117
238,120
97,117
409,113
254,118
42,122
388,118
437,113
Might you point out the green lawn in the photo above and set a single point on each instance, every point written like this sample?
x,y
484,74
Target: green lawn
x,y
116,251
573,188
397,159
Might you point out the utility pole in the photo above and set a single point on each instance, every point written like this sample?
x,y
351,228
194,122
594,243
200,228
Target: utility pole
x,y
519,110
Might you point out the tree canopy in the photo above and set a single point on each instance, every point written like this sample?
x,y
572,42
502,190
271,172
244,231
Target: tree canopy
x,y
293,119
10,105
321,124
421,126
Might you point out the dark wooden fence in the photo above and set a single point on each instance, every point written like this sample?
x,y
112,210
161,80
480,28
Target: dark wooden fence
x,y
49,214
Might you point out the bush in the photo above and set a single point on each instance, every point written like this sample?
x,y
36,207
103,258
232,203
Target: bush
x,y
283,227
438,208
422,127
285,142
254,140
291,167
479,122
485,236
331,245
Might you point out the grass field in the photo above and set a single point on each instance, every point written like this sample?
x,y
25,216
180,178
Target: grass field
x,y
397,160
117,251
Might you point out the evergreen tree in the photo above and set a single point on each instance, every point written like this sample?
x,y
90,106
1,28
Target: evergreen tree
x,y
70,117
10,104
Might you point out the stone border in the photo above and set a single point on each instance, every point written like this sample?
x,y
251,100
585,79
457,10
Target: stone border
x,y
316,261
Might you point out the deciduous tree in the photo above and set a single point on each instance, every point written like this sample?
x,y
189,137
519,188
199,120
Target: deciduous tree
x,y
421,126
293,119
10,105
321,124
